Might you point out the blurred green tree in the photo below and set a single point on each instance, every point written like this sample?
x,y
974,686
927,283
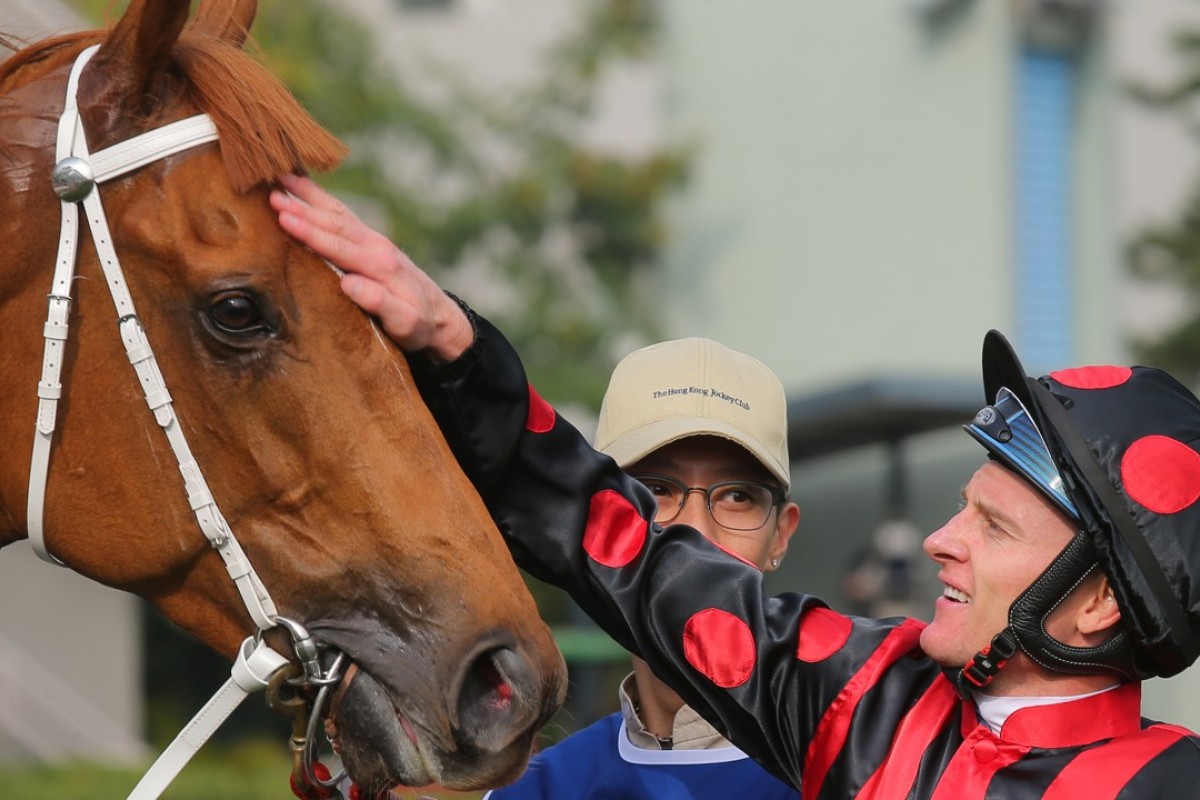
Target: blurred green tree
x,y
1170,251
553,240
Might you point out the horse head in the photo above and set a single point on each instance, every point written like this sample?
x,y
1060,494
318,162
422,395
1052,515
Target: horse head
x,y
304,419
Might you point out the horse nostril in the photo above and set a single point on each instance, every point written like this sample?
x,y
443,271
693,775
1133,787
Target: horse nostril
x,y
502,692
484,685
493,708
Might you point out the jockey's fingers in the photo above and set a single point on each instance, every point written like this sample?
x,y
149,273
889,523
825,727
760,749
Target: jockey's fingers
x,y
323,210
308,190
366,293
398,311
337,219
344,253
348,243
334,215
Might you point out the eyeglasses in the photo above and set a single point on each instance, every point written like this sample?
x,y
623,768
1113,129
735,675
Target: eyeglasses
x,y
1006,429
736,505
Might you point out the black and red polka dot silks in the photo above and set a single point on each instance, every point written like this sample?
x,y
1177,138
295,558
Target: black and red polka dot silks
x,y
838,706
1161,474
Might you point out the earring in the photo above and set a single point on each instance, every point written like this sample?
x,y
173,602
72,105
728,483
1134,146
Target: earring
x,y
775,563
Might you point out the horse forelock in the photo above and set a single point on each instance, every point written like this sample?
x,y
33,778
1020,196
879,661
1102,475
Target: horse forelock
x,y
264,131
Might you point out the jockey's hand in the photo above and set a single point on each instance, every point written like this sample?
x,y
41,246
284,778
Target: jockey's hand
x,y
380,278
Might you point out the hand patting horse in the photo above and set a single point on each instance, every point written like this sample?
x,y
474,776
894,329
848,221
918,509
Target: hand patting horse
x,y
341,511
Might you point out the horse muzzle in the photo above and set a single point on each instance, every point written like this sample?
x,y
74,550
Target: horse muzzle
x,y
494,706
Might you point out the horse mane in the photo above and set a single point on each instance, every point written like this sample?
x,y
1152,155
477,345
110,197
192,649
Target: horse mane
x,y
264,131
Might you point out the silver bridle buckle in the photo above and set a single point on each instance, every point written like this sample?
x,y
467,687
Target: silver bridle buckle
x,y
72,179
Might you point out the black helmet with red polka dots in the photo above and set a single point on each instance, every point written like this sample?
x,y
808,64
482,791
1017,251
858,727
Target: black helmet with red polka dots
x,y
1123,447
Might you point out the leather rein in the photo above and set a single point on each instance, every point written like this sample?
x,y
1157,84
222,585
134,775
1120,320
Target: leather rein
x,y
76,177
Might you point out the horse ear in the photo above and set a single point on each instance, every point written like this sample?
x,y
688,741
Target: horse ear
x,y
121,75
229,21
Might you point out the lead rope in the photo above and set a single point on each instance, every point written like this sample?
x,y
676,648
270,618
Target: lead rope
x,y
76,175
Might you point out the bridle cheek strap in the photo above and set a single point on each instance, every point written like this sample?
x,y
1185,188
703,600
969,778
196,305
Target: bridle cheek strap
x,y
76,178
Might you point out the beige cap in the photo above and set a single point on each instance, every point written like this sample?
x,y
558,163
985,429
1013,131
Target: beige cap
x,y
693,387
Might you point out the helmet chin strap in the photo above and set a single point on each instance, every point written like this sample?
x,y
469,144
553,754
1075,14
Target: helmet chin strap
x,y
1027,632
985,664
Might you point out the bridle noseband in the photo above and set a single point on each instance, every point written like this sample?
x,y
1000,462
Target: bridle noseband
x,y
76,177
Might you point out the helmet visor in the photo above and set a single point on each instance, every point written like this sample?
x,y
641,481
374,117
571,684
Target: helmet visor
x,y
1009,433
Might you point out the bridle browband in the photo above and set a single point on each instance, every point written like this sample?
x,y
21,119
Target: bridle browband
x,y
76,177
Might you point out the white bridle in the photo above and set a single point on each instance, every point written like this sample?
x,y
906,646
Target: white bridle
x,y
76,176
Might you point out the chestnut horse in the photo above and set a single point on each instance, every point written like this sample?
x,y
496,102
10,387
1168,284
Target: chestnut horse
x,y
355,524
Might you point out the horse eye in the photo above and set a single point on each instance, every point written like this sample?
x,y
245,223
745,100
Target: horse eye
x,y
238,314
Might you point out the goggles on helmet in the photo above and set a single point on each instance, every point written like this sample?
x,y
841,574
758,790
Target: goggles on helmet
x,y
1008,432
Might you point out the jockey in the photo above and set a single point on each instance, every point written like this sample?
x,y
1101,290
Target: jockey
x,y
1071,573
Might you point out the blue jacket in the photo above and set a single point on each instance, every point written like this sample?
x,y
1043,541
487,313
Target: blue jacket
x,y
599,763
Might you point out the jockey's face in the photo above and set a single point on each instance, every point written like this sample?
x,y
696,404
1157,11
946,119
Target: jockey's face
x,y
1004,537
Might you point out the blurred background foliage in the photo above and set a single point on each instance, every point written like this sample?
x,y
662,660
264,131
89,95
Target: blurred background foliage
x,y
1170,252
504,185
